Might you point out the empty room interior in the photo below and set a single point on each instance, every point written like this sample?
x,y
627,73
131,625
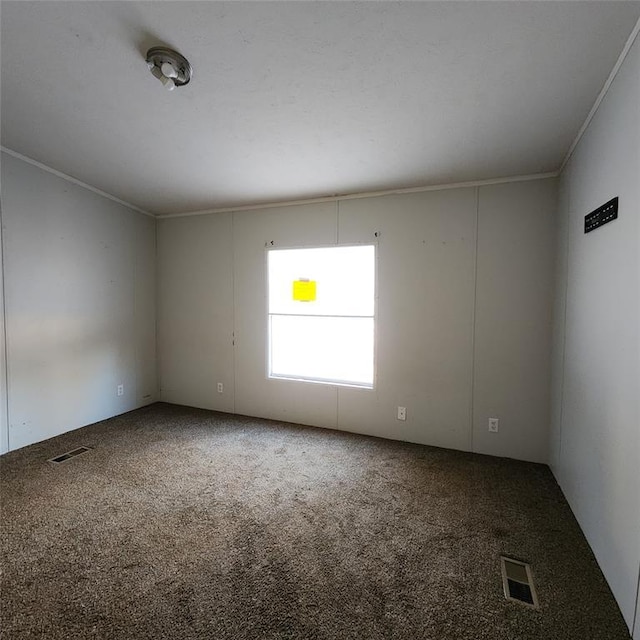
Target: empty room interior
x,y
320,320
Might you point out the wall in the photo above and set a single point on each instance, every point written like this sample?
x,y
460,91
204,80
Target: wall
x,y
4,424
80,304
516,238
195,311
464,275
595,440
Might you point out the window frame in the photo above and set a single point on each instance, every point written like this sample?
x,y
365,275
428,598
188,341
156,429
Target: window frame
x,y
271,246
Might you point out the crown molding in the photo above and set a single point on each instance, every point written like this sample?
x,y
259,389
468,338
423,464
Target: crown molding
x,y
367,194
603,92
73,180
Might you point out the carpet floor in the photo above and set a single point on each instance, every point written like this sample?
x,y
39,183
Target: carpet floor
x,y
183,523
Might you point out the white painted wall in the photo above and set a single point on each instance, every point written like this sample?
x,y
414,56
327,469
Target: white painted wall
x,y
429,248
4,423
513,318
79,301
424,329
195,306
596,414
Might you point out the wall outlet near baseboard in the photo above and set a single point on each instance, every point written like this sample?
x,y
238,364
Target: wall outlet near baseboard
x,y
402,413
220,387
120,389
493,425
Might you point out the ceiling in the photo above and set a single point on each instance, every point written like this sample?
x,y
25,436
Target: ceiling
x,y
294,100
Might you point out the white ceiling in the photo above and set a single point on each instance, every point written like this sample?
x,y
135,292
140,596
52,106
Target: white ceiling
x,y
292,100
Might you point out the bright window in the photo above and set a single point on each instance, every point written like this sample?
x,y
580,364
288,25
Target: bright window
x,y
321,314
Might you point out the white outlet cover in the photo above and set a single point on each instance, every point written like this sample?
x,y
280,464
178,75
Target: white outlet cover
x,y
402,413
494,424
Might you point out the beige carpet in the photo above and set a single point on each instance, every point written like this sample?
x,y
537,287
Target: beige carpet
x,y
183,523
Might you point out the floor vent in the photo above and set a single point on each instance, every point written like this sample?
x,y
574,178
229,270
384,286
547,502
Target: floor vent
x,y
518,582
70,454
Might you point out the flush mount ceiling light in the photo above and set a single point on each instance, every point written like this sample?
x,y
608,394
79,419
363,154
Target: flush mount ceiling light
x,y
170,67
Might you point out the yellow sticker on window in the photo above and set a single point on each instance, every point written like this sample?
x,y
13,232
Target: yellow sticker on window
x,y
304,290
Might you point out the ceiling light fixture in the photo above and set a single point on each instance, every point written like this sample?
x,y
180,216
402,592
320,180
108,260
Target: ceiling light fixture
x,y
170,67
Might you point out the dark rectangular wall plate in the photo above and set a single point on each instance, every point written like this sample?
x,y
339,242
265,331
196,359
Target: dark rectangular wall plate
x,y
606,213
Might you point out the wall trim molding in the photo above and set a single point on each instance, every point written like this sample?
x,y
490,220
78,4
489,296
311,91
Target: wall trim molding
x,y
284,203
366,194
603,92
73,180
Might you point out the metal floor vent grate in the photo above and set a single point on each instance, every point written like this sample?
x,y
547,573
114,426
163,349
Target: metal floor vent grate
x,y
517,581
70,454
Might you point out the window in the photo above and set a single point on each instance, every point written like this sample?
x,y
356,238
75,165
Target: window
x,y
321,314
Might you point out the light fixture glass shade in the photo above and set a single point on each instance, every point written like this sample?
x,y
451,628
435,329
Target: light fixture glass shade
x,y
168,83
168,70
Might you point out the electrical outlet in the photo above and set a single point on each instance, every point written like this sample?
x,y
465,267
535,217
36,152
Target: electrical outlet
x,y
402,413
220,387
120,389
493,425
